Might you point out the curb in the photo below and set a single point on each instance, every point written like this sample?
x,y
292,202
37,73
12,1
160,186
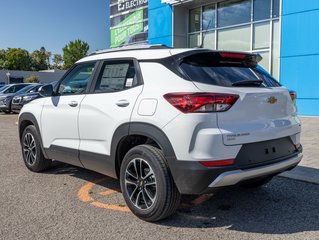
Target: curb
x,y
301,173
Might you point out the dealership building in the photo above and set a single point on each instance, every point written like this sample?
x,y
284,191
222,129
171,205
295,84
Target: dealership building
x,y
284,32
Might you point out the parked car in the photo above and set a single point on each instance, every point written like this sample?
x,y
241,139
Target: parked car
x,y
7,93
21,99
2,87
165,122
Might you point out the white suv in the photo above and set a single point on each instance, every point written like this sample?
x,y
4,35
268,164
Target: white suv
x,y
165,122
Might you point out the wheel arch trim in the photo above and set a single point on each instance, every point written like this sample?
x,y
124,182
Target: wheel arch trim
x,y
31,118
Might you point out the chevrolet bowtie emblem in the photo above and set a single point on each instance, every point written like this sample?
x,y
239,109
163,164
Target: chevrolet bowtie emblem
x,y
272,100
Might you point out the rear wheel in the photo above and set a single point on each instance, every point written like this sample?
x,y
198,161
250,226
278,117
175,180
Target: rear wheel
x,y
32,152
147,185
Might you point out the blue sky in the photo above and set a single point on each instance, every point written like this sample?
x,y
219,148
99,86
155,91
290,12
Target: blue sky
x,y
31,24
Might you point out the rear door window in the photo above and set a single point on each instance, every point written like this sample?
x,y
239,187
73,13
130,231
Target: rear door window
x,y
116,76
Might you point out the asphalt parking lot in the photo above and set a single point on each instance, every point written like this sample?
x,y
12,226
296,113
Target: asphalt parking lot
x,y
72,203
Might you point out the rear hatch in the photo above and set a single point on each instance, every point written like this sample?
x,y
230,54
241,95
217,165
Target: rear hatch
x,y
264,109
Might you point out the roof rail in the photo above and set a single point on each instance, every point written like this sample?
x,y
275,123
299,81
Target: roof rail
x,y
131,47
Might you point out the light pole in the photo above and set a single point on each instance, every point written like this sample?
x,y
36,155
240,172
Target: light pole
x,y
8,76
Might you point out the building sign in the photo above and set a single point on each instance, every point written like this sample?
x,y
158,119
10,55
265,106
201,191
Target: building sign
x,y
128,22
127,5
175,2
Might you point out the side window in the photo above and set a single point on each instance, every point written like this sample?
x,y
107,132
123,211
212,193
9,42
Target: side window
x,y
116,76
77,80
15,88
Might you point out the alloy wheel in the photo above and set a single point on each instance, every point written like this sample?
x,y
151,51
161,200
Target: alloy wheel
x,y
140,183
29,149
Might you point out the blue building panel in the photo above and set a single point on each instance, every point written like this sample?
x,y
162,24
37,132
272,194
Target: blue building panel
x,y
160,23
300,73
300,52
300,33
293,6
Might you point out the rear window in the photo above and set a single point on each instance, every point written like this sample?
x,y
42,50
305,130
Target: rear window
x,y
211,69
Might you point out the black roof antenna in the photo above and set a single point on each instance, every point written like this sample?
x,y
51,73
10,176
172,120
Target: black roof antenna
x,y
204,34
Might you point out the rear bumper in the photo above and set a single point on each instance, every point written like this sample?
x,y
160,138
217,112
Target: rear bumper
x,y
193,178
233,177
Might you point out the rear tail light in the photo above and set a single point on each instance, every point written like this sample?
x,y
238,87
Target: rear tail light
x,y
201,102
217,163
293,96
297,146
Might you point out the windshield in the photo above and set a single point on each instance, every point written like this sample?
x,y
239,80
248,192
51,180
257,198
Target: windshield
x,y
2,89
26,89
206,68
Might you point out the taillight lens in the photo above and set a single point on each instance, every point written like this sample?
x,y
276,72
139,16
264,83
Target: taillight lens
x,y
201,102
293,96
218,163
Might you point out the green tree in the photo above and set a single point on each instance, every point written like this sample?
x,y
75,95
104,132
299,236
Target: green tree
x,y
18,59
32,79
57,61
3,59
39,60
74,51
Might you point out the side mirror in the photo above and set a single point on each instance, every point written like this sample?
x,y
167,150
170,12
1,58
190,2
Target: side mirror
x,y
46,90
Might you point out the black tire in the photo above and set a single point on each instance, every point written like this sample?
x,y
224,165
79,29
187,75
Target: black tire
x,y
165,195
32,153
7,112
256,183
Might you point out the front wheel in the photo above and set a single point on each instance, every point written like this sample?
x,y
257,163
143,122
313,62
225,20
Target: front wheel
x,y
32,152
147,185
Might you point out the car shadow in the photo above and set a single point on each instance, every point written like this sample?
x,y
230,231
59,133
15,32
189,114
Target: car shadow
x,y
283,206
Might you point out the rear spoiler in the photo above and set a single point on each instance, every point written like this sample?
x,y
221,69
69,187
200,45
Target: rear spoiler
x,y
210,57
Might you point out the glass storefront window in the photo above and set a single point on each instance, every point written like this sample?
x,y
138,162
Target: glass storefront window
x,y
261,35
261,9
209,13
194,20
275,49
234,12
209,40
194,40
264,63
238,25
234,39
275,8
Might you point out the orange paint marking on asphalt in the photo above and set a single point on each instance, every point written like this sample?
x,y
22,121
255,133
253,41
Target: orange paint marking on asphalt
x,y
201,199
84,196
112,207
84,193
107,192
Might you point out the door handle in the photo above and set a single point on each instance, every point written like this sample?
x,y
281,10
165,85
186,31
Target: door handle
x,y
123,103
73,104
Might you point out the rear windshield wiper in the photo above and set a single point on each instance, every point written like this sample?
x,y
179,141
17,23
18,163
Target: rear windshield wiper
x,y
248,82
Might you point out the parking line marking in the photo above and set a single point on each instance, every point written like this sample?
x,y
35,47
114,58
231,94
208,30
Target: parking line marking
x,y
107,192
84,196
85,192
112,207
